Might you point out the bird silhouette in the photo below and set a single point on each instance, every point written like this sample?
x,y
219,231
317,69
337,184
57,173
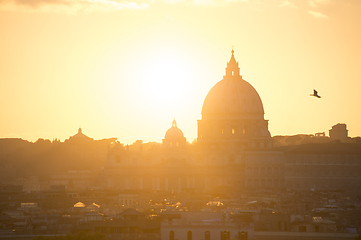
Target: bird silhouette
x,y
315,94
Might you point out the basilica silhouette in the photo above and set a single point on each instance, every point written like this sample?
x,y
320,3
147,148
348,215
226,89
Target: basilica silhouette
x,y
234,152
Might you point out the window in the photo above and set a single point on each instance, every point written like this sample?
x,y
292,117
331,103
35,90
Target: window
x,y
225,235
262,183
249,183
302,228
171,235
233,131
242,235
255,183
276,183
269,183
189,235
207,235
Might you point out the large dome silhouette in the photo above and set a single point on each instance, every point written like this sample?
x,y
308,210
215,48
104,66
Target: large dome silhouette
x,y
232,98
233,112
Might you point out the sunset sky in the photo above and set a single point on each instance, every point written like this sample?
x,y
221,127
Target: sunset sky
x,y
126,69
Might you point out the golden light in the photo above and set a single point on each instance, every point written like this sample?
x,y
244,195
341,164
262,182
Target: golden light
x,y
166,78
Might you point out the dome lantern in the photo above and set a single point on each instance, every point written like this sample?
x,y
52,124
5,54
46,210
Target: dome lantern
x,y
232,67
174,123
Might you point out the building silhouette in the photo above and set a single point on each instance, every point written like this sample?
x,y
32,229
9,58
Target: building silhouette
x,y
339,132
233,115
234,152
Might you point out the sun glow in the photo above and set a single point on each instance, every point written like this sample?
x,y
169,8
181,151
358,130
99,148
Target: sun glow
x,y
167,78
166,81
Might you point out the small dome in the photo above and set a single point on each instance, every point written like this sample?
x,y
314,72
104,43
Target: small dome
x,y
80,136
174,132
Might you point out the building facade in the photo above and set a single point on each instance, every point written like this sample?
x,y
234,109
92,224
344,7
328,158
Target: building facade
x,y
203,225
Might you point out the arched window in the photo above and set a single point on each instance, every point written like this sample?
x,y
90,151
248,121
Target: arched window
x,y
276,183
189,235
242,235
171,235
207,235
225,235
255,183
269,183
262,183
249,183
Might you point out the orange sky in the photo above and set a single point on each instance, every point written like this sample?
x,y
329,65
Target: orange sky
x,y
126,69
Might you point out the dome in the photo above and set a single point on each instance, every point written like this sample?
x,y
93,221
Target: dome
x,y
174,132
233,113
80,136
232,97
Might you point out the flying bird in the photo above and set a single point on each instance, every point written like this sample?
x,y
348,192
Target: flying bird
x,y
315,94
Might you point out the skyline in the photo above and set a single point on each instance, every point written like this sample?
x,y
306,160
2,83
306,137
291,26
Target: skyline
x,y
126,70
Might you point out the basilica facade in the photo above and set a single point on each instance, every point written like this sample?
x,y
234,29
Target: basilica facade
x,y
234,152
